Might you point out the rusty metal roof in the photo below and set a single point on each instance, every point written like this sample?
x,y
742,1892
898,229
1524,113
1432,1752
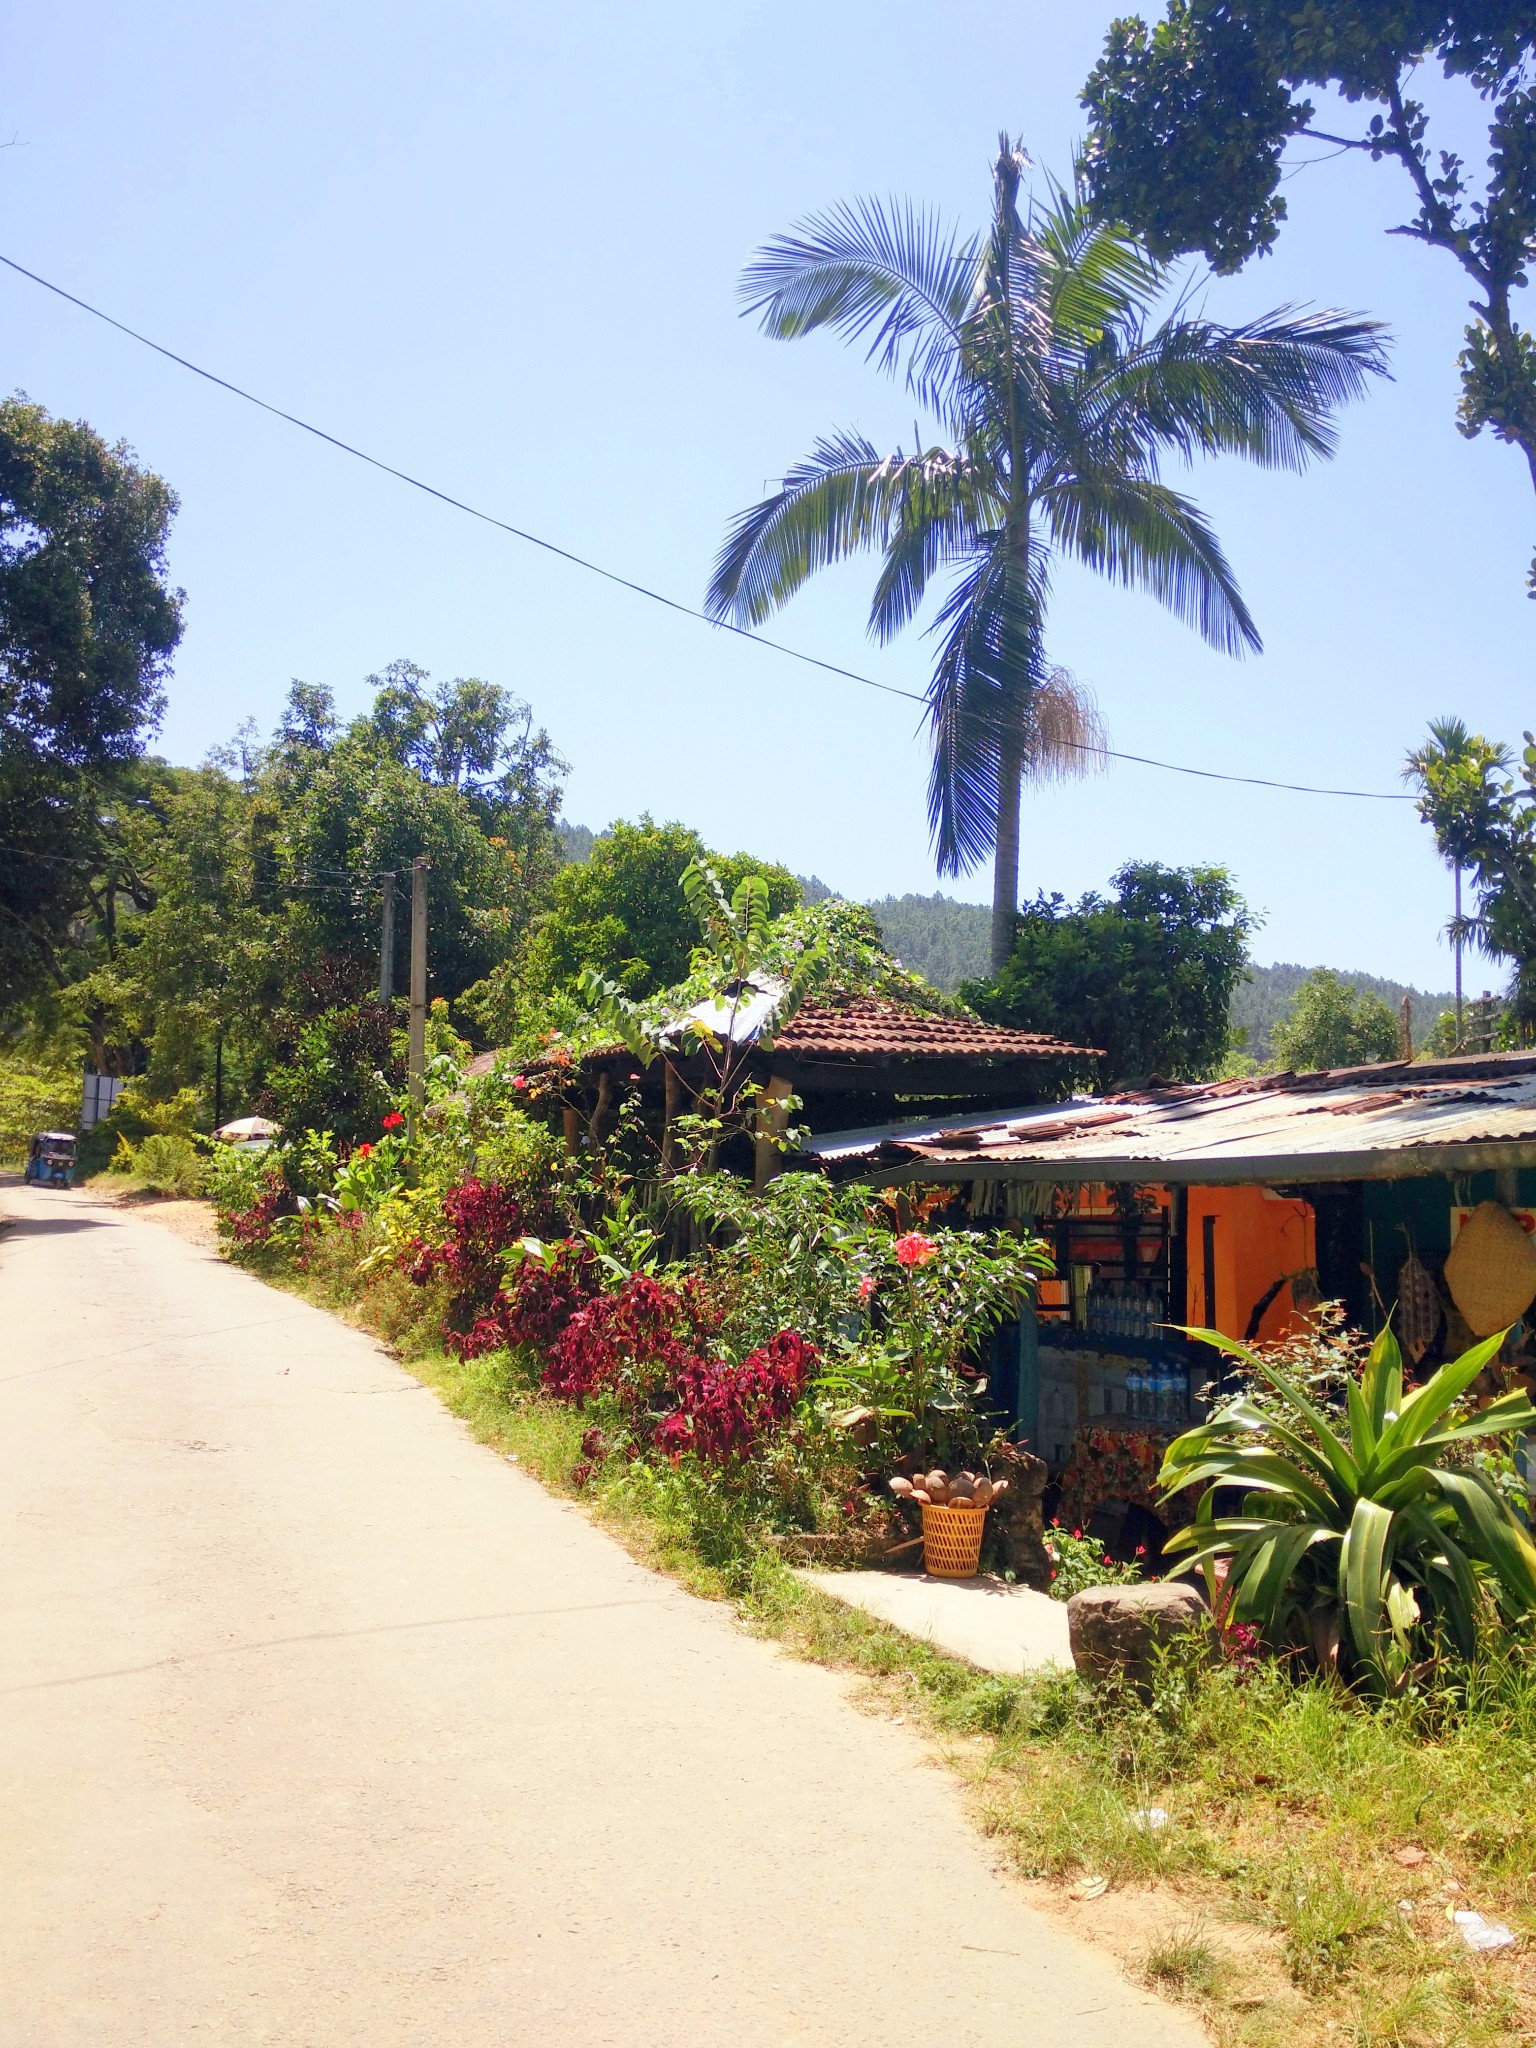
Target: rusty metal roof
x,y
1356,1123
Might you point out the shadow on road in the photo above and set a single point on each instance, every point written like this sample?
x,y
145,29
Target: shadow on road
x,y
42,1226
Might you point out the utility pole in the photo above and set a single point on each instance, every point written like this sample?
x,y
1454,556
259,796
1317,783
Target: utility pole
x,y
387,940
1405,1028
418,1041
1456,949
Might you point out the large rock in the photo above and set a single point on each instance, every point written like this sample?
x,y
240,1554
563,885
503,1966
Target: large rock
x,y
1017,1519
1117,1630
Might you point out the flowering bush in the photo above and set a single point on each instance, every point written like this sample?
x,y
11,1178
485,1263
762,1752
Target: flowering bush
x,y
370,1175
913,1249
1079,1561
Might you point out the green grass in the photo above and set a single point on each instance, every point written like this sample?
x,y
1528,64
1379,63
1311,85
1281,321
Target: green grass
x,y
1286,1799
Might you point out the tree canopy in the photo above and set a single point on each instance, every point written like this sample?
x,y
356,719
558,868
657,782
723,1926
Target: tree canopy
x,y
1191,118
1147,976
1481,806
228,917
1333,1025
622,913
88,624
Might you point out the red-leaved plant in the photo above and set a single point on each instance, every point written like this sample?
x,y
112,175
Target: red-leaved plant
x,y
722,1410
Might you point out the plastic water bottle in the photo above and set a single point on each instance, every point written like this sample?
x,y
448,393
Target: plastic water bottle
x,y
1135,1393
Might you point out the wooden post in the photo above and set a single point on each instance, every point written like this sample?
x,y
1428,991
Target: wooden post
x,y
773,1119
598,1124
570,1123
417,1069
672,1101
1405,1028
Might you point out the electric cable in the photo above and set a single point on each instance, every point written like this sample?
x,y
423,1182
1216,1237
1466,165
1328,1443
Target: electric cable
x,y
628,583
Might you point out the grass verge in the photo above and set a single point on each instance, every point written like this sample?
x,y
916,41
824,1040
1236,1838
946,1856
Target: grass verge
x,y
1338,1838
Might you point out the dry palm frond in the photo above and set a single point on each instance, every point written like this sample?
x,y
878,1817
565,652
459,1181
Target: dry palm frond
x,y
1067,740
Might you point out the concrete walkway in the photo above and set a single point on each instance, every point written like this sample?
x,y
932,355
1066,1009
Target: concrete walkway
x,y
994,1626
322,1725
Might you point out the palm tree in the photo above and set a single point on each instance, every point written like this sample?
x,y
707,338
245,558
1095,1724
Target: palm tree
x,y
1034,346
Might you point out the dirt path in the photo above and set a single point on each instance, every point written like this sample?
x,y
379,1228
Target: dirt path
x,y
320,1724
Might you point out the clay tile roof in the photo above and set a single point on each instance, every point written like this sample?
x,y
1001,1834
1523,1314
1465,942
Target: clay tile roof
x,y
870,1029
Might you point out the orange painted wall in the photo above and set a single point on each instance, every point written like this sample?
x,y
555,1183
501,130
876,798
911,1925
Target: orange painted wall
x,y
1258,1237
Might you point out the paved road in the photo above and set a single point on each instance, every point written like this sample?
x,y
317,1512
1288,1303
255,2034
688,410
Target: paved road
x,y
321,1724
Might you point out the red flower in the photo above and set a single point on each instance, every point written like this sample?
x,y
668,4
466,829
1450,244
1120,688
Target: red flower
x,y
866,1287
914,1249
519,1080
363,1151
393,1121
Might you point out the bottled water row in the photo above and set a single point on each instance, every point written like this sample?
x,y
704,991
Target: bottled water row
x,y
1156,1394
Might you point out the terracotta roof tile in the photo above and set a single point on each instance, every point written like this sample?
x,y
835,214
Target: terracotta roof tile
x,y
870,1029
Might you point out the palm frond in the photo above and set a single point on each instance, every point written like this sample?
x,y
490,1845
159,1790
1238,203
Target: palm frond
x,y
892,272
1267,390
832,504
1145,535
1096,275
988,665
939,502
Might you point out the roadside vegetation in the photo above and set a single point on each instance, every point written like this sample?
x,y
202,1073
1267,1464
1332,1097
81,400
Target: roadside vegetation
x,y
726,1382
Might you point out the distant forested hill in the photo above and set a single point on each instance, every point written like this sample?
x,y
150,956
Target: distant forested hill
x,y
1267,995
946,942
942,940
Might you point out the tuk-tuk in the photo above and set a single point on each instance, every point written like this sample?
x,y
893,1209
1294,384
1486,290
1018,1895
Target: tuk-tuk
x,y
51,1159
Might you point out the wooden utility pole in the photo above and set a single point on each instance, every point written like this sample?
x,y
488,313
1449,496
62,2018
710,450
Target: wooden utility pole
x,y
1456,949
387,940
1405,1028
417,1068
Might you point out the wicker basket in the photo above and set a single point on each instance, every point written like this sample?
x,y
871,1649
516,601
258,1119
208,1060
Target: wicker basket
x,y
952,1541
1491,1270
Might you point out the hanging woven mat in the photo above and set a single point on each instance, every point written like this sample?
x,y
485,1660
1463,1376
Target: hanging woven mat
x,y
1491,1270
1418,1308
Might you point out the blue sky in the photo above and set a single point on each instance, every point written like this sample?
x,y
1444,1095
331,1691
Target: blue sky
x,y
498,246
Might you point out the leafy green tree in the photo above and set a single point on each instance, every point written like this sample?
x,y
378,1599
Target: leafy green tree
x,y
1147,977
455,773
1192,117
88,624
1333,1025
621,912
1058,398
1482,810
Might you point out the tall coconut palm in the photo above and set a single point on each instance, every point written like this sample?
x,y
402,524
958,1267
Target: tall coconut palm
x,y
1034,345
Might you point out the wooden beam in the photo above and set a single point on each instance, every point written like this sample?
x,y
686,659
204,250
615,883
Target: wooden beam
x,y
773,1120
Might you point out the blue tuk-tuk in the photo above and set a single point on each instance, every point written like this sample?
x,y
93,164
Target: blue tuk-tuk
x,y
51,1159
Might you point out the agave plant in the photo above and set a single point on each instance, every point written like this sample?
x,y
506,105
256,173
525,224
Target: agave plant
x,y
1363,1537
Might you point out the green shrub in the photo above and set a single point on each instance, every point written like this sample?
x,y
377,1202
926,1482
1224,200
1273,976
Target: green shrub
x,y
35,1097
168,1165
1371,1540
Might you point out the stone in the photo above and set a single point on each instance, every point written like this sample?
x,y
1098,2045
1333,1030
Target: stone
x,y
1117,1630
1017,1520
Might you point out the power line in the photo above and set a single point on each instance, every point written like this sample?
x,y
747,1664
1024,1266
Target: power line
x,y
627,583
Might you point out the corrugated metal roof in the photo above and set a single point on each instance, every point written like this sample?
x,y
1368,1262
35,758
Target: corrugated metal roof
x,y
1360,1123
